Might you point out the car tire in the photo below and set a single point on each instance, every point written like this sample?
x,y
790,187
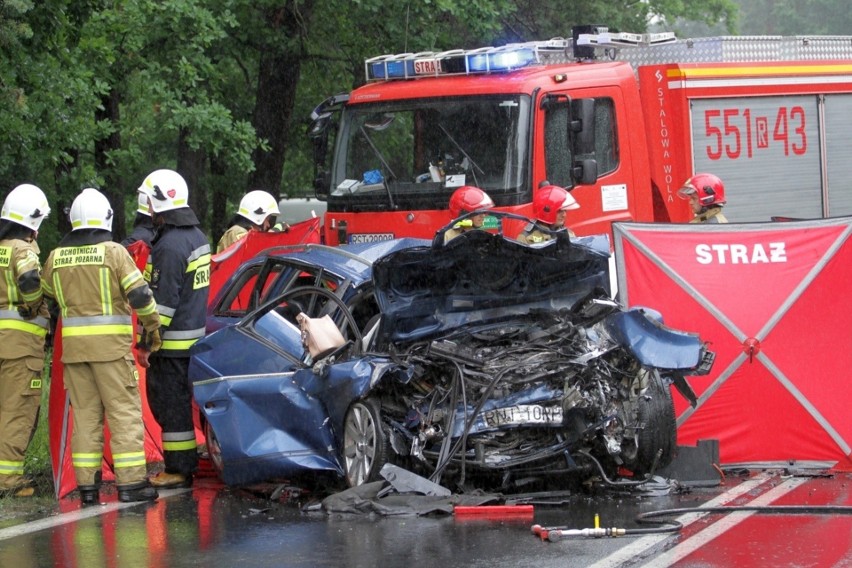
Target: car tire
x,y
365,444
213,449
655,411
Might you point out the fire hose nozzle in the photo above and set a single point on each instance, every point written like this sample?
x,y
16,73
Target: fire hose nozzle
x,y
554,535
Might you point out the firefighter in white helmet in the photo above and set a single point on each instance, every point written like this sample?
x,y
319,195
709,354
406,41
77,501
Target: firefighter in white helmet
x,y
143,225
179,272
551,203
96,284
24,325
257,212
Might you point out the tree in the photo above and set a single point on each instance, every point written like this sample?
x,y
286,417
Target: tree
x,y
99,93
795,17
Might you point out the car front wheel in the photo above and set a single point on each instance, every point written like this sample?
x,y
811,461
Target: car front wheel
x,y
365,445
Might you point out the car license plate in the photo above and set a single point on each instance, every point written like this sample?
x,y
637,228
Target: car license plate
x,y
523,414
370,237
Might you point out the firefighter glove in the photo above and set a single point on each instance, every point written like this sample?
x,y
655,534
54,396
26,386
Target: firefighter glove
x,y
150,322
27,312
151,341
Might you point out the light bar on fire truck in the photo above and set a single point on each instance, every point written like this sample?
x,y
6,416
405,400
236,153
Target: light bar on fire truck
x,y
624,39
466,62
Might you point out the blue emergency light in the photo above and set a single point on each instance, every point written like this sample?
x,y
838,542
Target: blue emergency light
x,y
465,62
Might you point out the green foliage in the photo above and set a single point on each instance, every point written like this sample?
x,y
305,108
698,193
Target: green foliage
x,y
795,17
187,72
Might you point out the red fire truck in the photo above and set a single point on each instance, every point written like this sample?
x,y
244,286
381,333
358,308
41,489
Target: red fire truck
x,y
619,119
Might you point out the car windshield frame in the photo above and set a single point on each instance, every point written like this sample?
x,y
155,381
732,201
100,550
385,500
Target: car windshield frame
x,y
414,153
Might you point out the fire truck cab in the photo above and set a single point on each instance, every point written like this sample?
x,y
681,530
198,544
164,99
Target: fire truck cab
x,y
620,120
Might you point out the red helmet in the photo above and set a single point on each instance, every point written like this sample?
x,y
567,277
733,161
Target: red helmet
x,y
468,198
550,200
708,187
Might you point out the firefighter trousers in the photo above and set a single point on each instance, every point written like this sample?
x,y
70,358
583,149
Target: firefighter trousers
x,y
170,399
106,389
20,400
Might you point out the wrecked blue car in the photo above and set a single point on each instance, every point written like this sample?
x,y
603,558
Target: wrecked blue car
x,y
487,362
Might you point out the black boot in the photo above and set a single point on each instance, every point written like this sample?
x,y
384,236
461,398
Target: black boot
x,y
137,492
88,495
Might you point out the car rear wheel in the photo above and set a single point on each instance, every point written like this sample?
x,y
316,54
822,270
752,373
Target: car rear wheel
x,y
365,445
213,448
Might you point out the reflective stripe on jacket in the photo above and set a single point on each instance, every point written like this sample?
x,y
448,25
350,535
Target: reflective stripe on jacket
x,y
180,279
91,284
20,337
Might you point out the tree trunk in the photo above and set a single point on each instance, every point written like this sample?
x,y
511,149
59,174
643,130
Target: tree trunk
x,y
278,76
190,164
114,187
220,216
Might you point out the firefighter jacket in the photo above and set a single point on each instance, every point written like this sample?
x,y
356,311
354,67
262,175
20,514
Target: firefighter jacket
x,y
21,335
712,215
534,233
95,283
180,280
143,230
458,229
232,235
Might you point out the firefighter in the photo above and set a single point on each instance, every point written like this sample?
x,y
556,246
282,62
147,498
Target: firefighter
x,y
465,200
550,205
24,326
256,213
706,195
96,285
143,225
180,280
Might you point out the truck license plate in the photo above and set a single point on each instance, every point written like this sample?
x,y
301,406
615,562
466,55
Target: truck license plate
x,y
370,237
523,414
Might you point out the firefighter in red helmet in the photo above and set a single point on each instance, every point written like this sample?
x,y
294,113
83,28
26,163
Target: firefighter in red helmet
x,y
464,200
550,205
706,195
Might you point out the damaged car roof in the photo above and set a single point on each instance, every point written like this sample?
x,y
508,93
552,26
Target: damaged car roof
x,y
478,277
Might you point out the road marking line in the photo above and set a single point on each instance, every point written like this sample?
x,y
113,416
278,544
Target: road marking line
x,y
729,521
75,516
632,550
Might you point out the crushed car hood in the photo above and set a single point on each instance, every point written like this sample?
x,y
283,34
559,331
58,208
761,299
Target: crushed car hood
x,y
481,277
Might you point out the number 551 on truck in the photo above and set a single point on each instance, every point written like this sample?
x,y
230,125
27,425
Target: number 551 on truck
x,y
621,120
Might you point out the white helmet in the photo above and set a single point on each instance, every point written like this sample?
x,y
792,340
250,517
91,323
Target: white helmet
x,y
26,205
166,189
91,210
257,205
143,204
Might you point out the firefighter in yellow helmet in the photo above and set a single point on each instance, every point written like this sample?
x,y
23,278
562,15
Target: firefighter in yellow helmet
x,y
464,200
96,284
256,213
24,325
550,205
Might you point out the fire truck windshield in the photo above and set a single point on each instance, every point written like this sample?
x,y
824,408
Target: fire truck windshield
x,y
413,154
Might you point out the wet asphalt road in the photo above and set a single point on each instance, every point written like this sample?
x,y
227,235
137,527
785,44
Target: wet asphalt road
x,y
213,526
